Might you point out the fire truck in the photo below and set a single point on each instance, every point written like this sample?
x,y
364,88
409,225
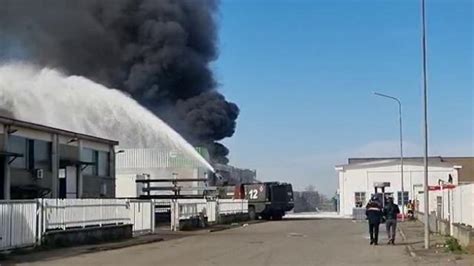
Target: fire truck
x,y
267,200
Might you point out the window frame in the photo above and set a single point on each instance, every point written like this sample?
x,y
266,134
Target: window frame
x,y
360,197
406,197
25,152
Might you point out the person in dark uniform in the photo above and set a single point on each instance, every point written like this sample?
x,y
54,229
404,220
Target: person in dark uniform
x,y
373,211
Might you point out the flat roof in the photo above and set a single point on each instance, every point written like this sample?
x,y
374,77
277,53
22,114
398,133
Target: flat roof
x,y
358,160
15,122
465,165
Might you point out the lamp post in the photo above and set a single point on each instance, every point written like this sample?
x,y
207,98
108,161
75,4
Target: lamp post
x,y
401,147
425,125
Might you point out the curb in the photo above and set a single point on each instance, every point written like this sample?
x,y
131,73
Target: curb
x,y
122,245
15,257
409,247
235,225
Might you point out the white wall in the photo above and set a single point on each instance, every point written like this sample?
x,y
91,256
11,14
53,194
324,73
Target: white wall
x,y
362,180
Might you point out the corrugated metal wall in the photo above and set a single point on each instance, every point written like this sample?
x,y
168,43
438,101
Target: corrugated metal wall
x,y
158,164
153,158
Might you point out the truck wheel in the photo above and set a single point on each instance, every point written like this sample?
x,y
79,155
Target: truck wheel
x,y
252,214
277,216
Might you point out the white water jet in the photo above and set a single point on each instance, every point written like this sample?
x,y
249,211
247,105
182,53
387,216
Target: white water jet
x,y
46,96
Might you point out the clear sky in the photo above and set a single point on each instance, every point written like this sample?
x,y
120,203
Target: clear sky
x,y
303,72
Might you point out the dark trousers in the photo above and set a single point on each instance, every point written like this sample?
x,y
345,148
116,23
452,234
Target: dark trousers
x,y
374,232
391,225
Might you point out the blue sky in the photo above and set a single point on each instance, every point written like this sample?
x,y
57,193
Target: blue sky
x,y
303,72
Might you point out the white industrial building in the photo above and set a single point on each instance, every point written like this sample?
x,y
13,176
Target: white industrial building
x,y
157,163
38,161
357,178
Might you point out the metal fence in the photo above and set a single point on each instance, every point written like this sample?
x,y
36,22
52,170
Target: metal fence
x,y
189,208
453,205
184,209
76,213
23,222
18,221
232,206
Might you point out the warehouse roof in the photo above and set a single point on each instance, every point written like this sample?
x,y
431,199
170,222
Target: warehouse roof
x,y
24,124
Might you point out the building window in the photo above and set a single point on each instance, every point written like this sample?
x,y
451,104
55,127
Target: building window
x,y
103,163
359,199
41,154
89,156
399,197
18,145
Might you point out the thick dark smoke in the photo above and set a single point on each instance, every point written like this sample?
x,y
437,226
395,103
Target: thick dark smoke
x,y
158,51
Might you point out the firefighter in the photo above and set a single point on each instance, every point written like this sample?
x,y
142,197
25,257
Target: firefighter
x,y
373,211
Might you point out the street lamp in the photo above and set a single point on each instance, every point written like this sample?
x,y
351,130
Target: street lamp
x,y
401,146
425,126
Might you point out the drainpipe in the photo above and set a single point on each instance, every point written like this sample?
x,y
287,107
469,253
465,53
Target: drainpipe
x,y
55,167
6,171
80,181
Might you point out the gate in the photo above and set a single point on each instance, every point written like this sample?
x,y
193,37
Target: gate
x,y
18,224
142,216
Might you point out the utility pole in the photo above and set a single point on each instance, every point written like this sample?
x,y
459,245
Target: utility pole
x,y
425,127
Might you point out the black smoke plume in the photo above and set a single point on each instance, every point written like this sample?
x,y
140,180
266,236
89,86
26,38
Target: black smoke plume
x,y
158,51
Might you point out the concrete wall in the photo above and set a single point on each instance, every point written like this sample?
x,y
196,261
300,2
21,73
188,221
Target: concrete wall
x,y
443,227
463,233
92,235
362,180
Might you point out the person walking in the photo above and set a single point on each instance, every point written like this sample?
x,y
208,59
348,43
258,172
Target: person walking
x,y
373,211
391,212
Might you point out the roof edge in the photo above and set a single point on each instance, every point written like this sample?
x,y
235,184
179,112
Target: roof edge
x,y
20,123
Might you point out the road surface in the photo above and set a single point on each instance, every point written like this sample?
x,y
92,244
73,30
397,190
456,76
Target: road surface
x,y
287,242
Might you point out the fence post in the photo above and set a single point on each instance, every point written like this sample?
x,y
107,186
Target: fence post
x,y
152,210
174,210
451,206
39,220
218,211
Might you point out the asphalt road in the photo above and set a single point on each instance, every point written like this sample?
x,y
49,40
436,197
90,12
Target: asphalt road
x,y
287,242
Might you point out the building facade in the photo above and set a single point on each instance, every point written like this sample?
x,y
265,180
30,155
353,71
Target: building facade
x,y
358,176
158,163
40,161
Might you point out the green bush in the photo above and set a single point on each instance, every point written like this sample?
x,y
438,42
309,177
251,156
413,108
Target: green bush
x,y
453,245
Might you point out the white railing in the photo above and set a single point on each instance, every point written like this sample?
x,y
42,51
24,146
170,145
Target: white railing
x,y
232,206
23,223
18,223
189,208
184,209
73,213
